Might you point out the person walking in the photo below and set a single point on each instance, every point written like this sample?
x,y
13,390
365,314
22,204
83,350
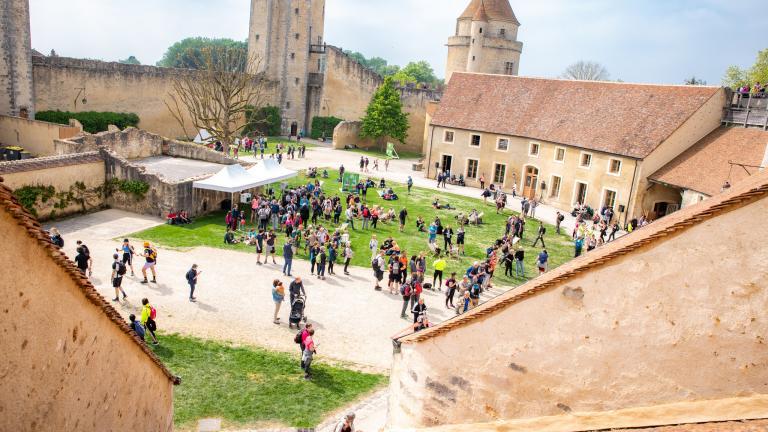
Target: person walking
x,y
614,230
150,257
192,276
278,296
450,291
118,270
322,260
300,339
439,266
271,238
403,216
448,239
288,257
534,204
350,217
542,261
81,260
309,354
296,288
347,258
482,181
460,238
540,237
409,183
379,265
128,253
148,316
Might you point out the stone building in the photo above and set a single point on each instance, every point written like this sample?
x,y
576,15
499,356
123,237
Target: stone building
x,y
286,42
485,40
570,142
16,95
664,326
69,361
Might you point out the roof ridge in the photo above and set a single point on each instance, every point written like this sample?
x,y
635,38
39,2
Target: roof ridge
x,y
540,78
35,231
744,193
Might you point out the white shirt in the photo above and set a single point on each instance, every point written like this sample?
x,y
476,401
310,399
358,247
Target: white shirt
x,y
373,245
340,426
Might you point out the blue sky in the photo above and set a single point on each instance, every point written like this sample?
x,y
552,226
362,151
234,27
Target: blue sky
x,y
658,41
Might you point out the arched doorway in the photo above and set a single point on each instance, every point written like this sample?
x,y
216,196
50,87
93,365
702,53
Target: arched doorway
x,y
530,182
294,129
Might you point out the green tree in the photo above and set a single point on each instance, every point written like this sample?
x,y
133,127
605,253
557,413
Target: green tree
x,y
130,60
421,72
384,116
189,53
736,77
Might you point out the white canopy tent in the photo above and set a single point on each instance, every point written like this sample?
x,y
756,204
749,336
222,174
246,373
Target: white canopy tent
x,y
235,178
269,171
203,137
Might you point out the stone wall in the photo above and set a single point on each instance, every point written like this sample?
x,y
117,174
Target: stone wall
x,y
679,317
61,172
113,87
349,86
34,136
67,364
16,94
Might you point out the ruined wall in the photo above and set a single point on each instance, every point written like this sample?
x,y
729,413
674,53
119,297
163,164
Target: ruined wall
x,y
113,87
66,366
349,86
61,172
679,319
16,93
34,136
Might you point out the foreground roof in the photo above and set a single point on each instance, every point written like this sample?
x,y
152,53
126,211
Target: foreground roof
x,y
624,119
749,190
10,205
705,167
495,10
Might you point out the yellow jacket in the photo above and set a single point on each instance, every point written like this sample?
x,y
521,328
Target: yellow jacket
x,y
145,313
439,264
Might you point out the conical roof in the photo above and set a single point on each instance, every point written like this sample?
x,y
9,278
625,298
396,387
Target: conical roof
x,y
494,10
481,14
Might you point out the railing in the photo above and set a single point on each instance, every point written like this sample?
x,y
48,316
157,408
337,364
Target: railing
x,y
747,110
317,49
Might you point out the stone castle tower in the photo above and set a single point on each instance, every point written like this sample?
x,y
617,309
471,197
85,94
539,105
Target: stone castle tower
x,y
16,93
485,40
287,38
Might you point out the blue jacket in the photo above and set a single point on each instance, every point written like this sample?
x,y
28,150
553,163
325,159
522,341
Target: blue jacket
x,y
287,251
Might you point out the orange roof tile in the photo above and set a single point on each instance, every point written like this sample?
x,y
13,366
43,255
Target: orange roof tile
x,y
752,189
495,10
731,426
705,166
10,204
619,118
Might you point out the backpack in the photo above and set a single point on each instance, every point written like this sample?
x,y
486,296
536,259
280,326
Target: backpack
x,y
375,264
405,289
297,338
561,218
120,268
152,313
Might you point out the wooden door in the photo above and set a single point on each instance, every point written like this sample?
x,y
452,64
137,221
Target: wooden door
x,y
531,182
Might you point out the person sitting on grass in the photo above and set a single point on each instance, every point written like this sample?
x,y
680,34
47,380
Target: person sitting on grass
x,y
382,184
420,224
389,195
184,217
171,217
229,237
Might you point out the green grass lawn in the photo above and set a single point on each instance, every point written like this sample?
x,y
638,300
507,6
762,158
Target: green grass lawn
x,y
373,153
245,386
209,230
272,142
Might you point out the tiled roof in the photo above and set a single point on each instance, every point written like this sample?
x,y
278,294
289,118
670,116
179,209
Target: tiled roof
x,y
705,166
731,426
754,188
496,10
49,162
618,118
9,204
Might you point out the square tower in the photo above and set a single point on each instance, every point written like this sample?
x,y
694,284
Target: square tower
x,y
16,92
286,43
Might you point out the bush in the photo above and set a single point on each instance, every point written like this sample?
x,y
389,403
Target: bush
x,y
92,121
265,121
324,126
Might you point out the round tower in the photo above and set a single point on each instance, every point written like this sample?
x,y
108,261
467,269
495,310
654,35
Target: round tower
x,y
485,40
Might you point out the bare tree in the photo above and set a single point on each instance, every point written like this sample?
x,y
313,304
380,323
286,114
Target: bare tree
x,y
586,71
216,96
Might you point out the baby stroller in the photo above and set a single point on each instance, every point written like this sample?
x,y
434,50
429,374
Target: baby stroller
x,y
297,312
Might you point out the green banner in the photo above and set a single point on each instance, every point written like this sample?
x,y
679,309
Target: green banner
x,y
390,150
349,181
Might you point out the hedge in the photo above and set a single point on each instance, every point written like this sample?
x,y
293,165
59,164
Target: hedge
x,y
265,121
92,121
324,126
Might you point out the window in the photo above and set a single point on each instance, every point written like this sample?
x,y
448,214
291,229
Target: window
x,y
473,58
448,137
580,193
609,198
257,37
499,173
559,154
481,30
472,165
473,41
288,105
533,150
297,36
502,32
586,160
297,81
296,11
509,68
555,184
293,56
474,141
502,144
614,167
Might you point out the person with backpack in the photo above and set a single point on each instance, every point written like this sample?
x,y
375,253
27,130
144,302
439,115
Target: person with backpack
x,y
450,291
406,290
150,256
136,326
118,270
322,260
419,310
394,273
331,258
558,220
308,354
540,236
348,254
148,316
474,293
288,257
379,266
192,276
300,338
